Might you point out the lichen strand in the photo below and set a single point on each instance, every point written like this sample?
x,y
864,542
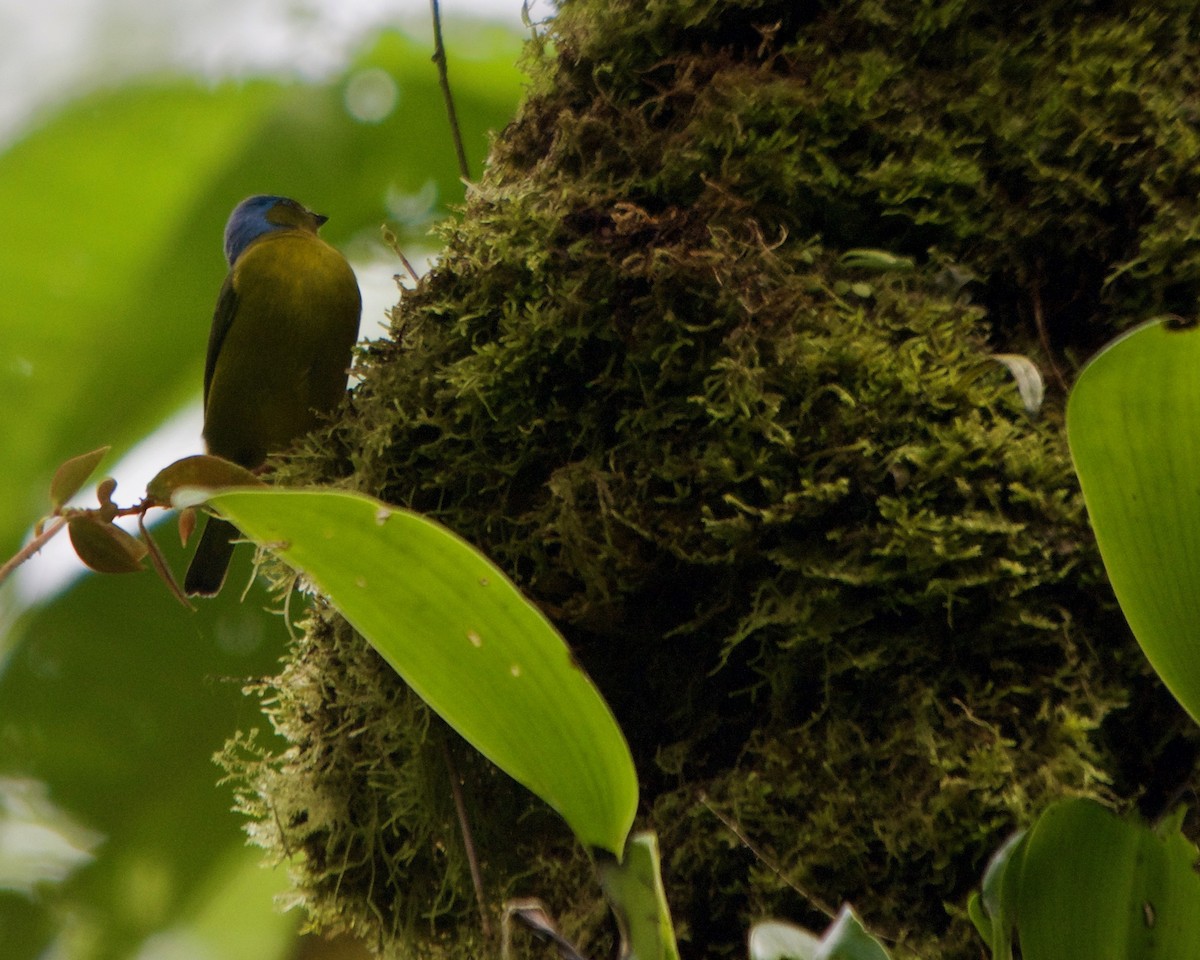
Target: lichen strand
x,y
836,584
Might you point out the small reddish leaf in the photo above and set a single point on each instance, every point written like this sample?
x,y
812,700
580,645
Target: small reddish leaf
x,y
72,475
187,524
198,471
104,547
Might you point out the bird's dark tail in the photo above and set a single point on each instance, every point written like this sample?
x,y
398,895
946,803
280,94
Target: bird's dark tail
x,y
206,572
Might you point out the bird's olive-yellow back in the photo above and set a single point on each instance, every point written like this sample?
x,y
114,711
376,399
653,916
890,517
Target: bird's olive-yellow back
x,y
286,348
279,350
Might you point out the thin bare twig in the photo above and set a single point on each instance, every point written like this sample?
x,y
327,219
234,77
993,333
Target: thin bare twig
x,y
733,828
1039,321
416,277
464,826
161,567
390,238
439,57
32,547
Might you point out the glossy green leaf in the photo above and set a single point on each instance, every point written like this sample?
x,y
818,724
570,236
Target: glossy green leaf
x,y
776,940
993,910
1133,423
635,892
1097,886
464,638
848,939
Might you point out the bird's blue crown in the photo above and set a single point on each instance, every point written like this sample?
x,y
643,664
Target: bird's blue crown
x,y
251,219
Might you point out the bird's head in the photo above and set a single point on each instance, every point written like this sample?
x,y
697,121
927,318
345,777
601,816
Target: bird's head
x,y
263,214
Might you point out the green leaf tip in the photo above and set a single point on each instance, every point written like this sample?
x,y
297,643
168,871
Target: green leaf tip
x,y
460,633
845,939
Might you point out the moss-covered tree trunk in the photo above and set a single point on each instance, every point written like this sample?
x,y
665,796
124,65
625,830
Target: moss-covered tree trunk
x,y
835,581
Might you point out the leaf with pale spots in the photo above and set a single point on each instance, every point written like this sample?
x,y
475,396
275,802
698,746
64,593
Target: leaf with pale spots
x,y
464,638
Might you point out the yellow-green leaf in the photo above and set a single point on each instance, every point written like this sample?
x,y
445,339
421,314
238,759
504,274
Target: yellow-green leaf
x,y
1133,424
635,892
464,638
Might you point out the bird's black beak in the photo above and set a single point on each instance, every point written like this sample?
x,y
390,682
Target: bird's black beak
x,y
320,218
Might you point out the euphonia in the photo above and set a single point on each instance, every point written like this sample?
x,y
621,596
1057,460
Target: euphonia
x,y
278,352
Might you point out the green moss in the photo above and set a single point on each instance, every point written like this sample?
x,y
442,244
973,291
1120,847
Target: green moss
x,y
837,585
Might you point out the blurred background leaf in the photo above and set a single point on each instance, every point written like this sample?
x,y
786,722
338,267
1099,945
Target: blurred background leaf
x,y
115,209
113,698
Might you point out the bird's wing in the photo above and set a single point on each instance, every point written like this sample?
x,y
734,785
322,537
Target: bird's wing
x,y
223,315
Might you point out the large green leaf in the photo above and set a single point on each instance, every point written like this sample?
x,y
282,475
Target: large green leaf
x,y
1097,886
1133,422
464,638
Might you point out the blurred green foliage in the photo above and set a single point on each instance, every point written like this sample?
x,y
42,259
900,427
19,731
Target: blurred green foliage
x,y
113,695
116,208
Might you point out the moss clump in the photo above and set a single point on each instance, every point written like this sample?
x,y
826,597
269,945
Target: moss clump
x,y
835,582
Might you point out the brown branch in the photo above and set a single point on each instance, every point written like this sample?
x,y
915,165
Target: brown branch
x,y
61,518
1039,321
464,825
439,57
161,567
733,828
32,547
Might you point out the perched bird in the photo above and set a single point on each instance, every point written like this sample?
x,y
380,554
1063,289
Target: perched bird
x,y
279,350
